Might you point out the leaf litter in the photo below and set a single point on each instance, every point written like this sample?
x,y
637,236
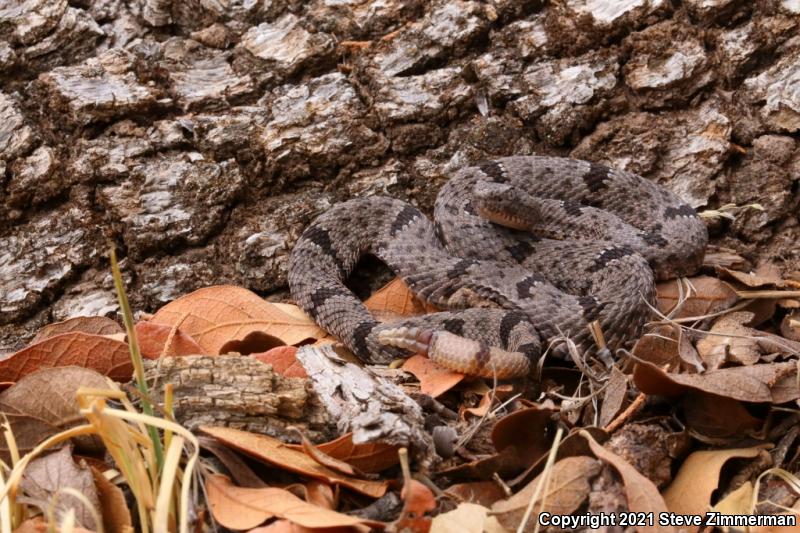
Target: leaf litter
x,y
722,368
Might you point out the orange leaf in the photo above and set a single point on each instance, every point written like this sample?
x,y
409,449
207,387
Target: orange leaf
x,y
107,356
706,295
418,500
395,300
93,325
369,457
152,337
244,508
433,379
274,452
283,360
215,316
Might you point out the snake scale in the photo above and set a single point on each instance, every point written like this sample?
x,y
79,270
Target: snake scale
x,y
523,251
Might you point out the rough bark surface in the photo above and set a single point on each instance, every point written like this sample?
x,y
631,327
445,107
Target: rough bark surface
x,y
201,137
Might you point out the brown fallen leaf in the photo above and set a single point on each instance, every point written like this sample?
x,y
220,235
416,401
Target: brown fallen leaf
x,y
245,508
659,347
323,458
215,316
715,417
433,379
467,517
729,340
107,356
48,474
283,360
369,457
417,501
152,338
766,274
93,325
529,431
481,492
276,453
395,300
113,507
702,295
745,383
641,494
615,394
43,403
790,326
698,477
568,488
238,469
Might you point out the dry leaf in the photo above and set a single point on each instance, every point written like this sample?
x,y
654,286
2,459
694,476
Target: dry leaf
x,y
418,500
659,347
152,338
717,417
568,488
107,356
245,508
44,403
529,431
690,492
746,383
276,453
93,325
433,379
766,274
395,300
790,326
48,474
283,360
737,502
369,457
324,459
215,316
727,340
641,494
467,517
615,394
113,507
481,492
242,474
707,295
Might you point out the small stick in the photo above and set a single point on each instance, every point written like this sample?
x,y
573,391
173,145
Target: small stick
x,y
635,406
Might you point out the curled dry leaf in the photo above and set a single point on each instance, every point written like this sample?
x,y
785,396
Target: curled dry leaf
x,y
691,490
528,431
108,356
481,492
46,475
152,338
729,340
324,459
43,403
568,488
243,508
283,360
699,296
215,316
433,379
113,507
641,494
746,383
93,325
369,457
395,300
274,452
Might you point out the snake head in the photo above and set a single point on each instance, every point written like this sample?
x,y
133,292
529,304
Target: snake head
x,y
505,205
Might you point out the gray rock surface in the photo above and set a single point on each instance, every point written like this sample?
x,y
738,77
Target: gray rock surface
x,y
201,137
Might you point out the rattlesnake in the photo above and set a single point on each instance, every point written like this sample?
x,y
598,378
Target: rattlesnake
x,y
523,250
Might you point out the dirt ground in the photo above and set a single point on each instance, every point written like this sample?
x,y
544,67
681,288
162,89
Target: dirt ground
x,y
200,139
